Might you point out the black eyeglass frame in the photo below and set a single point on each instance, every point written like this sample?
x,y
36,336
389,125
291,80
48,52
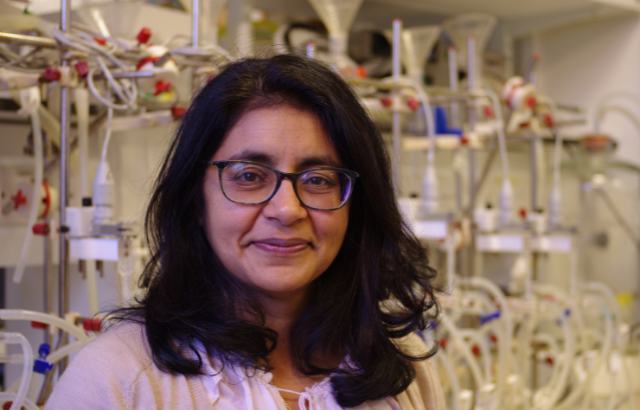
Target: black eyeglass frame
x,y
293,177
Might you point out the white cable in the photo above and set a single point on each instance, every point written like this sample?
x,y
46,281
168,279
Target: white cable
x,y
107,136
601,106
453,378
65,351
29,315
34,103
17,338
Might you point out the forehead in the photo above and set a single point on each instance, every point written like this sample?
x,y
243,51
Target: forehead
x,y
281,135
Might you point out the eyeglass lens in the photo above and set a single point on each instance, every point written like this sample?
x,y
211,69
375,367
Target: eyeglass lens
x,y
253,184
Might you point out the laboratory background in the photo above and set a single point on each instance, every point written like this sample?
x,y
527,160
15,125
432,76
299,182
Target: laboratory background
x,y
513,129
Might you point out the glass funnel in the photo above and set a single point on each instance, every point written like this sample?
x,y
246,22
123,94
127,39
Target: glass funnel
x,y
478,25
338,16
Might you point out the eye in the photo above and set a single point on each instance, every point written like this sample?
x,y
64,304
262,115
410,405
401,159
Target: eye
x,y
249,177
319,181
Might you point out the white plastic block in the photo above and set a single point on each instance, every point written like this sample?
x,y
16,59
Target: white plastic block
x,y
103,249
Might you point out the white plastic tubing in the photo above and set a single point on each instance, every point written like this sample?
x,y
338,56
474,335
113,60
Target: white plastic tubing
x,y
29,315
504,347
20,396
30,100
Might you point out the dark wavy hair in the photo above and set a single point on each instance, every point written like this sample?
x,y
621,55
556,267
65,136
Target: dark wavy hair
x,y
377,289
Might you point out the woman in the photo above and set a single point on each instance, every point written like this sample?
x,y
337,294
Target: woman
x,y
282,275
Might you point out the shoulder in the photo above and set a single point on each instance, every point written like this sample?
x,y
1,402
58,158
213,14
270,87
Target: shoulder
x,y
426,391
102,373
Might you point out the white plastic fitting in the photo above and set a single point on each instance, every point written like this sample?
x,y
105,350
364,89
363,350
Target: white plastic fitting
x,y
506,202
103,194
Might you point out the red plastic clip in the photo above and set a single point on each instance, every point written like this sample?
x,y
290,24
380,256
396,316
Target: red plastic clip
x,y
548,119
488,111
82,68
100,40
144,35
92,325
38,325
178,112
386,102
51,74
443,343
41,229
531,101
523,213
7,405
413,104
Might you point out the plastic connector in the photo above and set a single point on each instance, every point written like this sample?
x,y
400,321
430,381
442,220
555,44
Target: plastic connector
x,y
41,365
100,40
386,102
41,229
92,325
178,112
82,68
51,74
413,104
484,319
144,35
506,201
38,325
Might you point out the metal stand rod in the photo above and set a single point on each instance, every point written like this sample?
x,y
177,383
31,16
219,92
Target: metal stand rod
x,y
63,291
471,250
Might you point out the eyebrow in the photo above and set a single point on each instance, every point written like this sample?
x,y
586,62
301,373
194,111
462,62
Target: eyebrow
x,y
255,156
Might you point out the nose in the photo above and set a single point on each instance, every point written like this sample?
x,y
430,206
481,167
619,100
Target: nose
x,y
285,205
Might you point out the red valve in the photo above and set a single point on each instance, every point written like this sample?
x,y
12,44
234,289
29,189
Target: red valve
x,y
523,213
531,101
92,325
443,343
51,74
413,104
144,35
386,102
475,350
548,119
488,111
41,229
100,40
82,68
362,72
162,87
18,200
38,325
178,112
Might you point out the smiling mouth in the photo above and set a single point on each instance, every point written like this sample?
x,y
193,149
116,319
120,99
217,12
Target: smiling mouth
x,y
282,247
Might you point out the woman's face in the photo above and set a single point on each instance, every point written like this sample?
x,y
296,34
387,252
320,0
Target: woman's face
x,y
279,247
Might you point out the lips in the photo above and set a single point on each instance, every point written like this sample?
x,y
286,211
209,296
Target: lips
x,y
282,246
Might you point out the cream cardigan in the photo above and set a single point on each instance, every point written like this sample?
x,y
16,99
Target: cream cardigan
x,y
116,371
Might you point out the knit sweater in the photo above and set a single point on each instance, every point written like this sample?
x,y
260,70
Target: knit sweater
x,y
116,371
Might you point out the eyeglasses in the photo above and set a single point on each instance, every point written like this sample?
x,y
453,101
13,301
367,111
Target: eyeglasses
x,y
250,183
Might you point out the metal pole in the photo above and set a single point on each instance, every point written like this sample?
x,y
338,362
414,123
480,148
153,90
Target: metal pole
x,y
471,250
396,126
63,291
453,85
195,23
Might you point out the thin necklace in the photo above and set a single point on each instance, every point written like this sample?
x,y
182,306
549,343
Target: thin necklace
x,y
283,401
